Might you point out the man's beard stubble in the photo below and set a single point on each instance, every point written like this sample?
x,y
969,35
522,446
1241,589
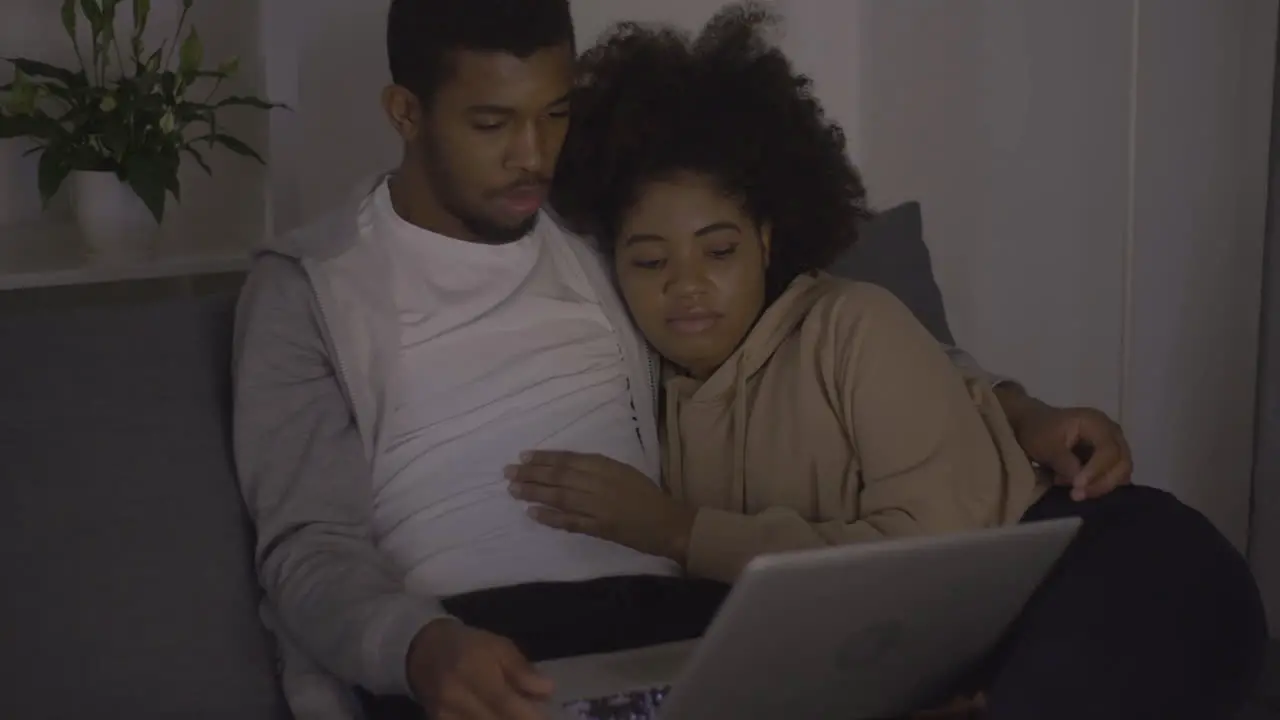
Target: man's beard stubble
x,y
483,229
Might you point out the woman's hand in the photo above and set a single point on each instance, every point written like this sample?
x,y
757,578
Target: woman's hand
x,y
599,496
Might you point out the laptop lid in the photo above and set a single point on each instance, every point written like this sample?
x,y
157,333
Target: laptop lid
x,y
863,631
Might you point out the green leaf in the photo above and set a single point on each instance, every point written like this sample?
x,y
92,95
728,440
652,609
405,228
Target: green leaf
x,y
171,178
22,98
93,13
247,101
83,156
153,62
150,178
51,172
236,146
69,18
195,154
37,126
17,126
229,68
168,83
116,139
36,69
141,11
190,55
109,14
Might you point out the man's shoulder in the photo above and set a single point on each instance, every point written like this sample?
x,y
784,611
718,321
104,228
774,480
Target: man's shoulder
x,y
323,238
330,234
557,224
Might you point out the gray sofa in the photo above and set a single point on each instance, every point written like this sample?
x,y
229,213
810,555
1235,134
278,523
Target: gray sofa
x,y
125,551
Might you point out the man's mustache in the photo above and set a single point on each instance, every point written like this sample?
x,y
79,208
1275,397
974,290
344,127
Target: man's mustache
x,y
533,183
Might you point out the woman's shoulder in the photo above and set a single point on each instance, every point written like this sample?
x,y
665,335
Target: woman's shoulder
x,y
842,305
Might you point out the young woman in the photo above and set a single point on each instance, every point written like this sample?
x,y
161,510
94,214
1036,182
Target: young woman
x,y
800,409
803,410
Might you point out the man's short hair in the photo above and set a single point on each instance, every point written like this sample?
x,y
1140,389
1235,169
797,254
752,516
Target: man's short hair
x,y
421,34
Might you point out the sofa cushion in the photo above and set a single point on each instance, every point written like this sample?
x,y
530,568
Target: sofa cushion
x,y
128,582
892,254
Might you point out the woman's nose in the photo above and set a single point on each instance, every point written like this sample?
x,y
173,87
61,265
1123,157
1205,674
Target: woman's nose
x,y
688,279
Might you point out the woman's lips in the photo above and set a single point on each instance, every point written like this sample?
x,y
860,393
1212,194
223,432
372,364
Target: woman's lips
x,y
692,323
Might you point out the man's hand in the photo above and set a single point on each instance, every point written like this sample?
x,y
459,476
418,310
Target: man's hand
x,y
1084,448
460,673
595,495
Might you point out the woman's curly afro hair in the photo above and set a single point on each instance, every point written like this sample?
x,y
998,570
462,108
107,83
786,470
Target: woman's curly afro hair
x,y
652,102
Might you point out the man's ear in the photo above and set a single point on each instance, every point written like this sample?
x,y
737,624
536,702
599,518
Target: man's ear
x,y
403,111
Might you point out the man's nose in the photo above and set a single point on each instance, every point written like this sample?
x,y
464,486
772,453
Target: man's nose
x,y
526,153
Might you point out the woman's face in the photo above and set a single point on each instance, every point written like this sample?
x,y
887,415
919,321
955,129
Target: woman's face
x,y
691,266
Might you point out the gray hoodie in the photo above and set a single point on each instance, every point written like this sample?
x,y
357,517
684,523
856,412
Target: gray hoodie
x,y
315,340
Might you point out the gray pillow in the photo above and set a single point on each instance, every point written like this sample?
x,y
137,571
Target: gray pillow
x,y
891,253
124,547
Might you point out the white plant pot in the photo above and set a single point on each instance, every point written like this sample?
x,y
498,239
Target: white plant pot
x,y
113,221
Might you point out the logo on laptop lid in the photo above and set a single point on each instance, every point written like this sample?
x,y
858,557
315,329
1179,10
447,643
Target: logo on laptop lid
x,y
867,645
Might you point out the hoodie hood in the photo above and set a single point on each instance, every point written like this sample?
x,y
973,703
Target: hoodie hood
x,y
729,383
333,233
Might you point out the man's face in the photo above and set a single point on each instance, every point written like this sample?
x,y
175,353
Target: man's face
x,y
490,138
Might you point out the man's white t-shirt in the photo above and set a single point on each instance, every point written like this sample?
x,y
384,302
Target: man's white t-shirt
x,y
504,348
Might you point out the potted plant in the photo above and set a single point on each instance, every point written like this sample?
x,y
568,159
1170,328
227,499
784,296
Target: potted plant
x,y
118,126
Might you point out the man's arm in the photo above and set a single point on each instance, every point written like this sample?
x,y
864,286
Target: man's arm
x,y
1013,397
1085,449
305,480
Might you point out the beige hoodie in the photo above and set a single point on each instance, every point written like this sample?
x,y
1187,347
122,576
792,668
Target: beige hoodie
x,y
838,420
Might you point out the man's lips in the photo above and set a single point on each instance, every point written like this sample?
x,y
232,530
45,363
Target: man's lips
x,y
525,200
693,322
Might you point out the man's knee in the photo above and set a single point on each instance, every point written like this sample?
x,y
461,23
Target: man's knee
x,y
1142,512
1143,499
1175,547
1162,579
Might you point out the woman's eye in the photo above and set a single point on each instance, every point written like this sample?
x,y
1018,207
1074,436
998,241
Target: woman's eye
x,y
724,252
647,264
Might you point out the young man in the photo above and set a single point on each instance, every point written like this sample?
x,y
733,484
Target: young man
x,y
393,357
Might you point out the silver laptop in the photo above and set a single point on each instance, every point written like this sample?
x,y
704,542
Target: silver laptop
x,y
860,631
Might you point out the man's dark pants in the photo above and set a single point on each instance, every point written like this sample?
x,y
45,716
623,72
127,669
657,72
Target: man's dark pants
x,y
1151,613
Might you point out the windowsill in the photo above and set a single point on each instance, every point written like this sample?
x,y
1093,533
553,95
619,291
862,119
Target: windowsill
x,y
51,254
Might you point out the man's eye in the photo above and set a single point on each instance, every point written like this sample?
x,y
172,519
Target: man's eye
x,y
648,264
487,126
562,113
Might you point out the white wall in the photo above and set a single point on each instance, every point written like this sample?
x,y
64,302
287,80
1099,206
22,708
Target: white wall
x,y
235,196
339,133
1092,173
1203,129
328,62
1093,177
1014,139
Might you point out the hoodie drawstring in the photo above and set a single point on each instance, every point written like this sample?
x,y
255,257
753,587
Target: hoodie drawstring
x,y
738,487
675,452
